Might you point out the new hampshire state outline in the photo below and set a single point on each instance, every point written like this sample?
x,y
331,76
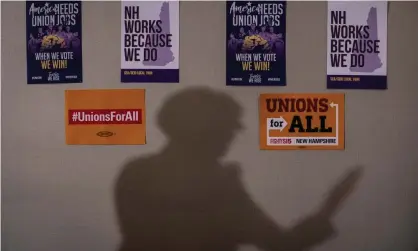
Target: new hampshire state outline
x,y
165,55
372,61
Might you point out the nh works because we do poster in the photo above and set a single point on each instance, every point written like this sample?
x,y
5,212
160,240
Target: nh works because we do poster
x,y
357,45
150,41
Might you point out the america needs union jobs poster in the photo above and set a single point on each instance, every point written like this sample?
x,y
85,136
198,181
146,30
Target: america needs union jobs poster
x,y
357,45
53,36
256,43
150,41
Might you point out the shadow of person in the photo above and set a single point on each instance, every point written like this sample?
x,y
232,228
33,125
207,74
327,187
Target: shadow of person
x,y
185,199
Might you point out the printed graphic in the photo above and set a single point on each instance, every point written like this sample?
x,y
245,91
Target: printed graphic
x,y
301,121
256,43
150,41
105,117
54,51
357,45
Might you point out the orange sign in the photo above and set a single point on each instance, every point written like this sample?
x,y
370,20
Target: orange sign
x,y
301,121
105,117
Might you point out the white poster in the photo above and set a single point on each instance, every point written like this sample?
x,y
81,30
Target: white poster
x,y
150,41
357,45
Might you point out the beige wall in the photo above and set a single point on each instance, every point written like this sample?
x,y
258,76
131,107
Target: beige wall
x,y
59,197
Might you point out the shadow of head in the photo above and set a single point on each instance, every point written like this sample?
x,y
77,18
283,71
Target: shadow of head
x,y
200,119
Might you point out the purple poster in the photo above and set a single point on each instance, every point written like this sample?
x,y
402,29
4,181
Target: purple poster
x,y
54,50
256,43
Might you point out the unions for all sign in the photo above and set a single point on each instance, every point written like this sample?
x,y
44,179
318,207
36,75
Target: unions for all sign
x,y
105,117
309,121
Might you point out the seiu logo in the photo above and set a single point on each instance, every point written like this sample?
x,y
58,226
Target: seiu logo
x,y
255,78
53,76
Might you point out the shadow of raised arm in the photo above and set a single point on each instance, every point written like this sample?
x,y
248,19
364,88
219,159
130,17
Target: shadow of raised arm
x,y
308,232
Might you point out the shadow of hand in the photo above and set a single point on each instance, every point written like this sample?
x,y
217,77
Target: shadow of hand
x,y
318,228
340,192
